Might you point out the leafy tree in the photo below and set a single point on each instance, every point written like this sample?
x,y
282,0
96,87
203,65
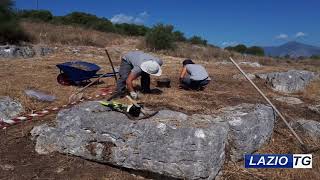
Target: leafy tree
x,y
160,37
179,36
42,15
255,50
197,40
229,48
131,29
240,48
81,18
58,20
10,31
315,57
6,9
287,56
88,21
103,25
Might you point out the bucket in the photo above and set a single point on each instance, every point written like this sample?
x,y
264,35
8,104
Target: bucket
x,y
164,83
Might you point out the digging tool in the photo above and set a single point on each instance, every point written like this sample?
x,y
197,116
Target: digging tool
x,y
147,115
271,104
131,111
78,95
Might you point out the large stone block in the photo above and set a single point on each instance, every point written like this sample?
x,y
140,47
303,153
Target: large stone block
x,y
170,143
288,82
250,126
9,108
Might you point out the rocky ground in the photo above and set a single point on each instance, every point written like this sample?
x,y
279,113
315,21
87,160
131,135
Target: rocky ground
x,y
19,160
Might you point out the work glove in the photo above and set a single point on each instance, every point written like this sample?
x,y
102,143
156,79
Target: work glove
x,y
133,95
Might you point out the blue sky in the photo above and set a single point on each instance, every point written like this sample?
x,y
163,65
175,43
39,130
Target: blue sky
x,y
221,22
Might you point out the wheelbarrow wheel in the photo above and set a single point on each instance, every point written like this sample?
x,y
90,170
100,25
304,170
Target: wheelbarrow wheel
x,y
63,79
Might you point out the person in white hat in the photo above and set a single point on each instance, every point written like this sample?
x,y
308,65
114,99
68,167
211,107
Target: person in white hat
x,y
133,65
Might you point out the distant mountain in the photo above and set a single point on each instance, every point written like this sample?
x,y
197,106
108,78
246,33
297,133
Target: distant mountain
x,y
293,49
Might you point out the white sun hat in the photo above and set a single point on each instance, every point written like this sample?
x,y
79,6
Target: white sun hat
x,y
152,68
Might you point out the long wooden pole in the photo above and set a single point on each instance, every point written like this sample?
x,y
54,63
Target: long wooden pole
x,y
271,104
113,70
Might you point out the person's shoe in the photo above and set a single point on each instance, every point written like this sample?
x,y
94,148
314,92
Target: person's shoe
x,y
152,91
146,91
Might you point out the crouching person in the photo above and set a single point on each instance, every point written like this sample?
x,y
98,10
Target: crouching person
x,y
136,64
193,76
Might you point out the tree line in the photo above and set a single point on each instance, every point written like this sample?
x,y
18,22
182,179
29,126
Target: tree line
x,y
253,50
160,36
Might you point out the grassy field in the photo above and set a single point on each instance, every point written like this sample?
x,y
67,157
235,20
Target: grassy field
x,y
40,73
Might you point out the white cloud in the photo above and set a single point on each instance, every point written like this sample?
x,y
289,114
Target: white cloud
x,y
144,14
123,18
300,34
227,43
282,36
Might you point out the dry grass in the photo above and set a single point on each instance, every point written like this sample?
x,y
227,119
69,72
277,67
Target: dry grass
x,y
70,35
213,54
312,91
205,53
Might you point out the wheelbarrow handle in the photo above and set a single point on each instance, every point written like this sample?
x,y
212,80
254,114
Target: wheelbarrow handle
x,y
82,89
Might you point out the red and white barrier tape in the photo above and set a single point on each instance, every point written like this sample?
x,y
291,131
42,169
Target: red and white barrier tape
x,y
6,123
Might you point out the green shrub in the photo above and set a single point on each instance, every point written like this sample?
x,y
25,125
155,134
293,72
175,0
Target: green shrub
x,y
197,40
179,36
85,20
160,37
58,20
131,29
255,50
42,15
10,30
240,48
103,25
81,19
315,57
287,56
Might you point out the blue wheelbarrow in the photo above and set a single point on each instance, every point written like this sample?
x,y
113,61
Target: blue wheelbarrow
x,y
79,72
